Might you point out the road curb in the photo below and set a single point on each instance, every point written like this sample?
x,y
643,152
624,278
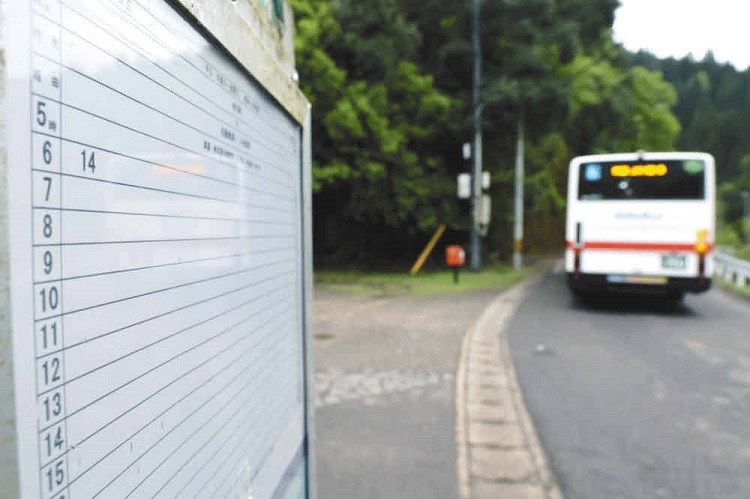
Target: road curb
x,y
498,450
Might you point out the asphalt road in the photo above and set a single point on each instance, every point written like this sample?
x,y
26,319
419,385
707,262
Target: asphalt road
x,y
634,400
385,376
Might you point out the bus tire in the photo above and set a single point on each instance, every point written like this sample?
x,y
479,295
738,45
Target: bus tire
x,y
674,298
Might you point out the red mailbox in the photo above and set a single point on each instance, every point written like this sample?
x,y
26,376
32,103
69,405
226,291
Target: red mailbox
x,y
455,255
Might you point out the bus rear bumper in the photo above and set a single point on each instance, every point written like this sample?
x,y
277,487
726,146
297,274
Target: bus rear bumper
x,y
581,283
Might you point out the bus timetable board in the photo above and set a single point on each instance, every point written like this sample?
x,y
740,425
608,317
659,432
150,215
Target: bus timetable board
x,y
156,233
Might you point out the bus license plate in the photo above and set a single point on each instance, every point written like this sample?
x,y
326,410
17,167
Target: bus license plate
x,y
674,262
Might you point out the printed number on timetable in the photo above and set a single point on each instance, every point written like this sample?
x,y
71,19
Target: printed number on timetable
x,y
48,336
54,476
45,116
46,223
88,159
51,406
48,300
46,154
53,442
50,372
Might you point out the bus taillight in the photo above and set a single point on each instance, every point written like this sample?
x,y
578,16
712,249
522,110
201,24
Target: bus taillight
x,y
701,243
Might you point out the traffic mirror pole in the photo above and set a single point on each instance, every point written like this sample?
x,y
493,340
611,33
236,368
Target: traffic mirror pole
x,y
518,224
475,181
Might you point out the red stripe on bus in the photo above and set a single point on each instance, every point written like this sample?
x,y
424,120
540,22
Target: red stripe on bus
x,y
627,246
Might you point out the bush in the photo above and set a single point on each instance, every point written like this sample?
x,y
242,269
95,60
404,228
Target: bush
x,y
727,236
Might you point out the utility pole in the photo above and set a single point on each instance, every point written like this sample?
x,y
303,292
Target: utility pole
x,y
746,215
518,211
477,108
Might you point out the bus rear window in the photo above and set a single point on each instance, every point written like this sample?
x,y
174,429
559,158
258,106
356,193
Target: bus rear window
x,y
642,180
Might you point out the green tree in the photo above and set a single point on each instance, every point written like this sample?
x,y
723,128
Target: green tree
x,y
375,121
614,110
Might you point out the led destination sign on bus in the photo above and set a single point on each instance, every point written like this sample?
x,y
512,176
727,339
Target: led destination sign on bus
x,y
647,170
657,178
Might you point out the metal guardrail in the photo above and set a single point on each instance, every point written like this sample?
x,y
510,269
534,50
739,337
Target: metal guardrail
x,y
732,269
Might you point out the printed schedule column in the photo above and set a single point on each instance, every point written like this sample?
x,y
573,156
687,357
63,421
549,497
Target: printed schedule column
x,y
46,207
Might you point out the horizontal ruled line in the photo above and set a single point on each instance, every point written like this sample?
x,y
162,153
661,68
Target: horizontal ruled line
x,y
174,240
171,359
242,356
75,311
148,59
169,312
238,359
233,363
172,335
187,61
164,70
241,221
136,241
159,215
165,191
227,164
277,427
125,184
241,442
147,267
206,402
243,406
170,288
148,162
275,402
236,149
101,366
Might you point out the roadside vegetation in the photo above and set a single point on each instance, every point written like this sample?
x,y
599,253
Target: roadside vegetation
x,y
390,83
735,239
730,242
427,283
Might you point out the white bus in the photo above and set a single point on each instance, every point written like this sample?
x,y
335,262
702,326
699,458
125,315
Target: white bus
x,y
641,222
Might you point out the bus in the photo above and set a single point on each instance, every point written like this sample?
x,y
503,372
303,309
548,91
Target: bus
x,y
641,222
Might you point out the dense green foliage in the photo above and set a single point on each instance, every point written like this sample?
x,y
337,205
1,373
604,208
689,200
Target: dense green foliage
x,y
390,82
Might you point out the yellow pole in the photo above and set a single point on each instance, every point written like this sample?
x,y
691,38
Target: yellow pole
x,y
427,250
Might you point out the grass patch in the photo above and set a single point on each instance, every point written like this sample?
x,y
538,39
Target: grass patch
x,y
427,283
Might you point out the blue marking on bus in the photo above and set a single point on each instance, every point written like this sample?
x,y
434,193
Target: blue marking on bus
x,y
593,172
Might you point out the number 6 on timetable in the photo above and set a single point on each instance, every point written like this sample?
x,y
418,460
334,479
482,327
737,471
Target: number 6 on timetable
x,y
46,153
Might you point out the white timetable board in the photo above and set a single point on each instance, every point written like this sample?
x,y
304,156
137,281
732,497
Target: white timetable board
x,y
156,254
